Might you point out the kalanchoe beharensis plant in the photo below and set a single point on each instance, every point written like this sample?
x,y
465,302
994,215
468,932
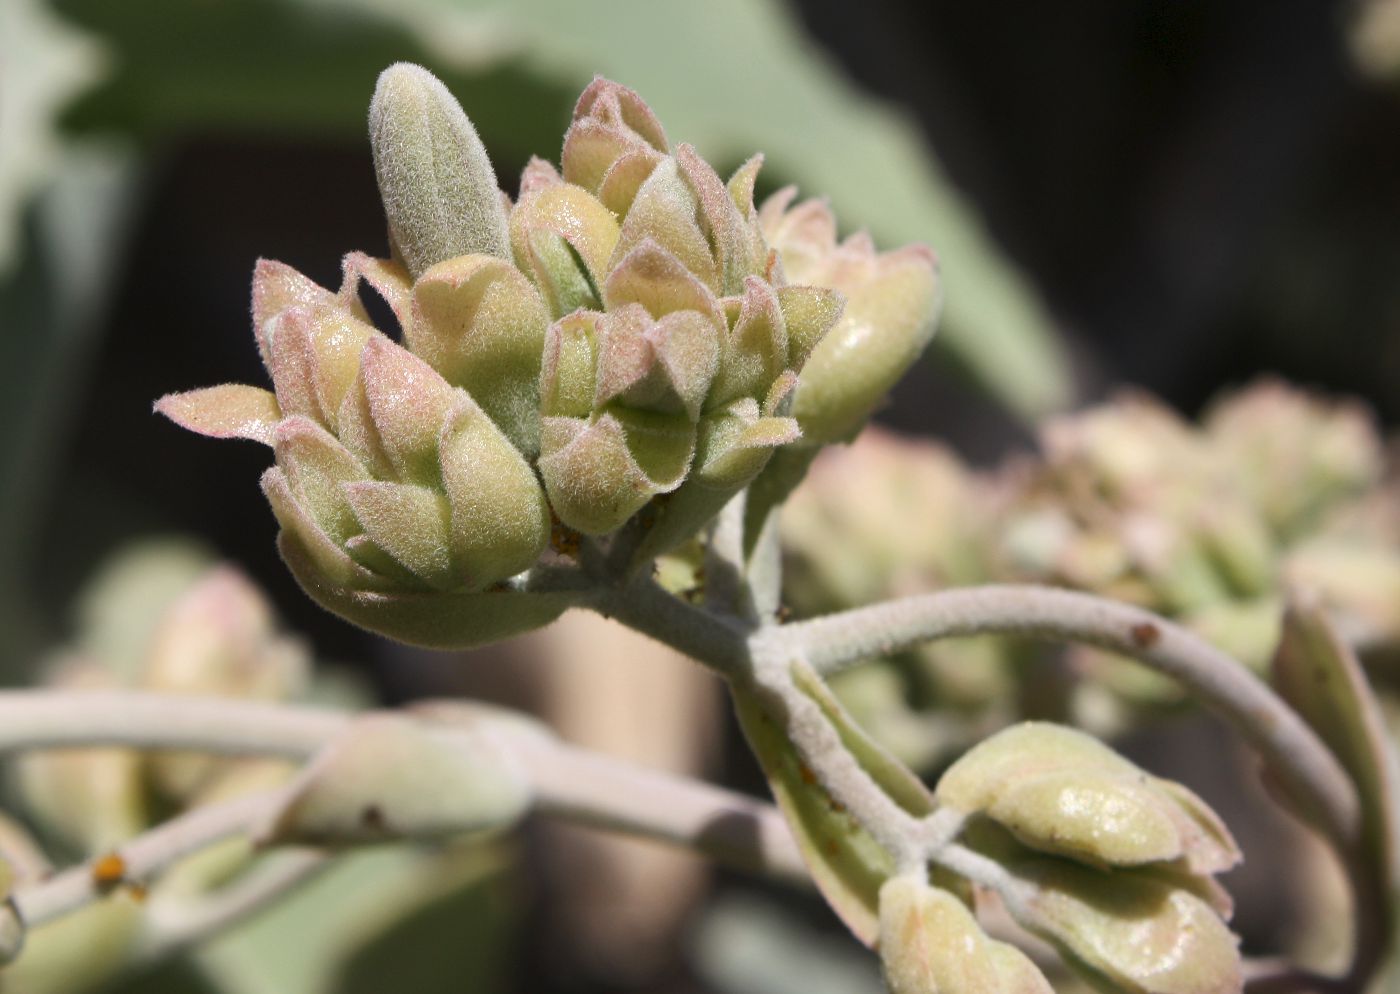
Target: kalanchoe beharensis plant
x,y
622,344
630,357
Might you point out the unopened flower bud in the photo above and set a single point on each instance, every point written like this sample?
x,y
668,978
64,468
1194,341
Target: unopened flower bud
x,y
438,187
1060,791
931,944
1130,931
389,777
888,320
613,145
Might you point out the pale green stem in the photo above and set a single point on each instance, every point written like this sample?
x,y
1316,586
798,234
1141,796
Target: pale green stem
x,y
567,782
707,638
765,571
1292,749
144,856
819,744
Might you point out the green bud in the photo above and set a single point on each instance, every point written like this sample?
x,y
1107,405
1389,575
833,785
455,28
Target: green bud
x,y
931,944
1130,932
387,777
888,320
1060,791
437,184
481,325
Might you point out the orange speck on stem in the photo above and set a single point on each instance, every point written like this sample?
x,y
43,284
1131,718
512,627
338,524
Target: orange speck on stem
x,y
108,870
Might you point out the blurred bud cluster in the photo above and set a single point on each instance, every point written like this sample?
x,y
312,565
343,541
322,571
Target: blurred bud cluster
x,y
158,617
1208,524
630,340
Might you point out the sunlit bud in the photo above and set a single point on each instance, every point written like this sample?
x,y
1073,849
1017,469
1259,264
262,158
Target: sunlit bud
x,y
438,187
480,324
1061,791
888,320
564,238
931,944
613,144
1130,931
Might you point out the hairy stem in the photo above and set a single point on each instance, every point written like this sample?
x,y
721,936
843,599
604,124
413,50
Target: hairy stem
x,y
142,857
707,638
1293,750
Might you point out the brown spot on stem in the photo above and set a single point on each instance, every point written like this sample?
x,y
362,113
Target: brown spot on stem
x,y
805,772
372,818
1145,634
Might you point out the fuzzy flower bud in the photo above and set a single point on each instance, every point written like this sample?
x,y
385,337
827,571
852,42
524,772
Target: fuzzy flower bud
x,y
392,483
624,335
438,187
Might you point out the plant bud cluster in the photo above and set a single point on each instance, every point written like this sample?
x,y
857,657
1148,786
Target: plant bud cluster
x,y
630,340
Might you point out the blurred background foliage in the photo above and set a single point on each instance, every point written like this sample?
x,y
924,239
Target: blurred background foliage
x,y
1177,194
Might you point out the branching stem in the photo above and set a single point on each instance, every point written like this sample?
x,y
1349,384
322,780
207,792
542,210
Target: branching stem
x,y
567,782
1293,751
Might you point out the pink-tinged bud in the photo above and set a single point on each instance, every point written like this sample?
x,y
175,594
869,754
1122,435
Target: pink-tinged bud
x,y
564,238
738,245
613,144
665,212
277,287
315,356
407,403
664,366
539,174
481,324
229,411
756,349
